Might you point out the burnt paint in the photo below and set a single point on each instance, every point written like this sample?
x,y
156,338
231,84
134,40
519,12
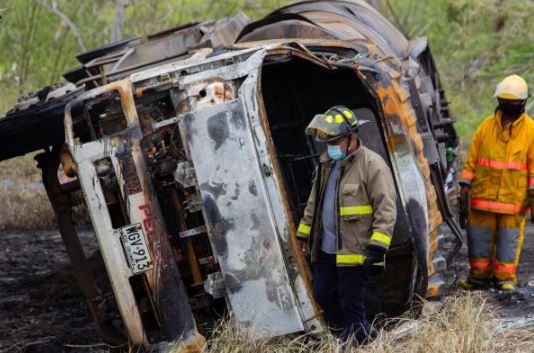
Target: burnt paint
x,y
257,259
419,226
218,129
215,189
190,131
132,184
255,221
237,192
238,118
252,188
219,226
231,282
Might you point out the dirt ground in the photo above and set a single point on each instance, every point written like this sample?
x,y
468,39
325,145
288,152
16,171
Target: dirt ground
x,y
42,309
513,307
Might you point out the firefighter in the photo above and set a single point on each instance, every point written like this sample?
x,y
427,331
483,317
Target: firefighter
x,y
348,222
497,187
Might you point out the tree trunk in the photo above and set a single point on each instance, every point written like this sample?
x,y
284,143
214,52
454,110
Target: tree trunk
x,y
116,31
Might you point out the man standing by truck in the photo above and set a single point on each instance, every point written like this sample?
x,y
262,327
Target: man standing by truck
x,y
348,221
497,186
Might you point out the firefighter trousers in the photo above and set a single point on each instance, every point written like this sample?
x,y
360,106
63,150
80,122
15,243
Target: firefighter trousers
x,y
494,242
340,291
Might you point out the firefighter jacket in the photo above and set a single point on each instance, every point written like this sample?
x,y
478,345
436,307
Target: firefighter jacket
x,y
365,206
500,165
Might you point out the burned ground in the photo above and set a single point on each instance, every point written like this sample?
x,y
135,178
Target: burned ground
x,y
41,306
42,309
519,304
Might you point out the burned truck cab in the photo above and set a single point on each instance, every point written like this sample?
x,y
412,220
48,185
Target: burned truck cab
x,y
189,150
195,174
187,201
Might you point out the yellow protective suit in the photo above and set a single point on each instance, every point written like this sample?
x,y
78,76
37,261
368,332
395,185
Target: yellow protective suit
x,y
494,241
500,170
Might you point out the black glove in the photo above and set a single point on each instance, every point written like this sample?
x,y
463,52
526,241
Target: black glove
x,y
375,261
463,205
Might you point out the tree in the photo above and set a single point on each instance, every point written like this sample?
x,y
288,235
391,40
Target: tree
x,y
116,31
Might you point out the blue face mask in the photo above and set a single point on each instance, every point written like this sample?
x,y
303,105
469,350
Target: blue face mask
x,y
335,152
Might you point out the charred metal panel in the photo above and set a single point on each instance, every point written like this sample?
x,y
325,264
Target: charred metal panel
x,y
35,122
158,49
115,62
233,67
345,20
108,239
236,207
196,68
417,191
280,210
163,278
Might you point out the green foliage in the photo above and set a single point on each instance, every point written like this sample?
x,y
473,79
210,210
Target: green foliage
x,y
476,43
37,45
155,15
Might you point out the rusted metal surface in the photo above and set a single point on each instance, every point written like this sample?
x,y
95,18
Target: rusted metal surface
x,y
204,150
117,62
58,194
166,289
343,20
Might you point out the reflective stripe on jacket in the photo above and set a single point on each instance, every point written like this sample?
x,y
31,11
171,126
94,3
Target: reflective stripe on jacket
x,y
500,165
365,206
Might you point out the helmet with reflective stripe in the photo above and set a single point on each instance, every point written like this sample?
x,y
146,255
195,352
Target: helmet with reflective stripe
x,y
337,122
512,88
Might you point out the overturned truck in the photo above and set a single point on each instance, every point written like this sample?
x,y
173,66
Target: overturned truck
x,y
188,148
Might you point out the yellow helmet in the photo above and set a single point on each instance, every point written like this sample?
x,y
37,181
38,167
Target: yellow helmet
x,y
338,121
512,87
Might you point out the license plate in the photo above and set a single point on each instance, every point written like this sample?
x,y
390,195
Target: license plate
x,y
135,248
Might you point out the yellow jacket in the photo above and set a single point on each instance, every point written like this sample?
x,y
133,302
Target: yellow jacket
x,y
500,165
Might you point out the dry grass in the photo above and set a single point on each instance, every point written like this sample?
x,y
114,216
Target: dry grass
x,y
519,341
25,206
464,325
23,201
226,338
